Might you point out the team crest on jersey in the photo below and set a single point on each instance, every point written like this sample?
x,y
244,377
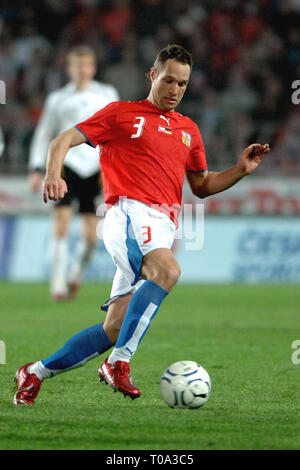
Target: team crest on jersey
x,y
186,138
166,130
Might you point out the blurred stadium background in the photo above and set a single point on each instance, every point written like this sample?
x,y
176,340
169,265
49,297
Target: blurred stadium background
x,y
246,54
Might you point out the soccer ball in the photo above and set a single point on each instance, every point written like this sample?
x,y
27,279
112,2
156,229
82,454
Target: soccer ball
x,y
185,384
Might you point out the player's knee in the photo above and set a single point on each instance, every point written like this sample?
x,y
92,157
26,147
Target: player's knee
x,y
166,277
61,232
90,228
173,274
91,239
61,222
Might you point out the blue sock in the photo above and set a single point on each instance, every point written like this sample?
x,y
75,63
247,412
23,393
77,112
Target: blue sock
x,y
78,350
141,310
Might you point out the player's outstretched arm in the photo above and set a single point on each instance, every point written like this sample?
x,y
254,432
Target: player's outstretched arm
x,y
54,187
208,183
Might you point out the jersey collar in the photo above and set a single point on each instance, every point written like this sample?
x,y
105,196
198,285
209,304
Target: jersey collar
x,y
159,110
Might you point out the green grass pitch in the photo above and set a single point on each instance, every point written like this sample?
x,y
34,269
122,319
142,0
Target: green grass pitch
x,y
241,334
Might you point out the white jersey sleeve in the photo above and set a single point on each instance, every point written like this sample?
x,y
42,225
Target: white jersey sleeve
x,y
46,129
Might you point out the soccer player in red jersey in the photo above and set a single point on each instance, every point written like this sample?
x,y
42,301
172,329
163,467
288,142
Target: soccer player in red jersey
x,y
146,149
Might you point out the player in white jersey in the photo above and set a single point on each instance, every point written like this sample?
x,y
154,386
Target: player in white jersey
x,y
65,107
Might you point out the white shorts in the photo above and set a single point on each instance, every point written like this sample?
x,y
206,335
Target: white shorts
x,y
131,230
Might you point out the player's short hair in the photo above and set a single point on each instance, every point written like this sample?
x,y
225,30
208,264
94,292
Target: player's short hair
x,y
173,51
79,51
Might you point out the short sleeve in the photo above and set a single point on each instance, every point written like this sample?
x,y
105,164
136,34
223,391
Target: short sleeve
x,y
98,129
197,158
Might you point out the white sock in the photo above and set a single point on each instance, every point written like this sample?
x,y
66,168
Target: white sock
x,y
40,371
116,356
59,263
84,253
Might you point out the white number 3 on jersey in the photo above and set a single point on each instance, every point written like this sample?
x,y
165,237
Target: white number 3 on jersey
x,y
139,126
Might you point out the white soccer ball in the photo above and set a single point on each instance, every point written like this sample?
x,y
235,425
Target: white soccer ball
x,y
185,384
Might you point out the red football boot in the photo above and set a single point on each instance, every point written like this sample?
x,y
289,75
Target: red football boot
x,y
28,386
119,378
60,297
73,289
105,373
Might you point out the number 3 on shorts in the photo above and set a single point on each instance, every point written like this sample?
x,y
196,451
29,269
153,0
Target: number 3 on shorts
x,y
147,234
140,126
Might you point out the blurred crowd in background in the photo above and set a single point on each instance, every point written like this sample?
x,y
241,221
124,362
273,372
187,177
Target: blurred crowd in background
x,y
246,56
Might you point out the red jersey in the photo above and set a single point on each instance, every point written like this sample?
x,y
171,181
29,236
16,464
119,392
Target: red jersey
x,y
145,152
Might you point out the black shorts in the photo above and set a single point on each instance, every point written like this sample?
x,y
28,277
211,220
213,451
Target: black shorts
x,y
82,190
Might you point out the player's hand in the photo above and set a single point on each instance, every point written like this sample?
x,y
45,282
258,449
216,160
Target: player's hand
x,y
54,188
251,157
35,181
